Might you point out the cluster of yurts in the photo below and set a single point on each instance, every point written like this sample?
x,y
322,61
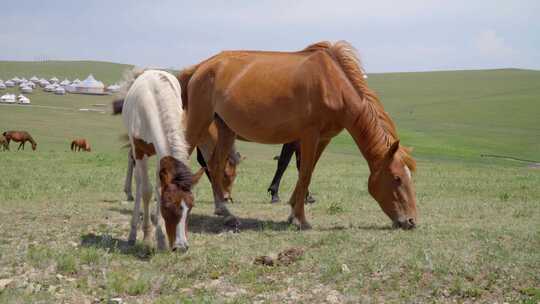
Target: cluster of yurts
x,y
88,86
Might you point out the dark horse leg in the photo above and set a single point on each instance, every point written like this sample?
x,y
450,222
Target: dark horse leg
x,y
202,163
21,145
283,162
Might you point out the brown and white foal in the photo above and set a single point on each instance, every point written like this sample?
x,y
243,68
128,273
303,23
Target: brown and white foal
x,y
153,115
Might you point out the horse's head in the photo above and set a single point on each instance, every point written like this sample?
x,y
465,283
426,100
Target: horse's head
x,y
34,146
176,199
392,187
230,173
88,148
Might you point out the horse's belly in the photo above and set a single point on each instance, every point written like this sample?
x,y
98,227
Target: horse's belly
x,y
262,123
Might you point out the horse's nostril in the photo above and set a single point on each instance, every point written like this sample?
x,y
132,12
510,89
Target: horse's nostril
x,y
412,222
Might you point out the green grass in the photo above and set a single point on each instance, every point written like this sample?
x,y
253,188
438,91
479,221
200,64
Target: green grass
x,y
478,238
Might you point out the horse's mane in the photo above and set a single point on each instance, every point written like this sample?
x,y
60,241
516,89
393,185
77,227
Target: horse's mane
x,y
347,57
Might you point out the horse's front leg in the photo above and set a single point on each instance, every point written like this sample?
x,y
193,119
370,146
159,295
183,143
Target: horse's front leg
x,y
308,148
156,219
21,145
217,164
137,206
146,197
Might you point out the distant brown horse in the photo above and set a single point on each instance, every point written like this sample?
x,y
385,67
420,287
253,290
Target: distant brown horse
x,y
310,96
3,143
80,143
19,136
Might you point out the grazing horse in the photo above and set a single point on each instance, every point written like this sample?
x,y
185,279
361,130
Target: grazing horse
x,y
283,162
310,96
229,175
153,116
4,143
80,143
19,136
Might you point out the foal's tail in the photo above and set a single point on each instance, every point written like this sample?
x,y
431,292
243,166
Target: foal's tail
x,y
72,145
128,77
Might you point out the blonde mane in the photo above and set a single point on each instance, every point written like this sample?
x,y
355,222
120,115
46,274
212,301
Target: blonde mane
x,y
347,57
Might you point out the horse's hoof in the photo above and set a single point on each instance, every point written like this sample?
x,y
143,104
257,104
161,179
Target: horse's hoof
x,y
130,198
275,199
310,199
301,225
233,223
131,243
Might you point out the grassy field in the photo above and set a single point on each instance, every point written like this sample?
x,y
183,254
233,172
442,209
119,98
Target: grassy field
x,y
64,223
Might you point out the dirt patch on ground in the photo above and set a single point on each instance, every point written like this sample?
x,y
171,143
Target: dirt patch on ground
x,y
534,166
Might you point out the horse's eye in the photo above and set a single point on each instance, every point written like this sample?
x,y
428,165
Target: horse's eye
x,y
397,180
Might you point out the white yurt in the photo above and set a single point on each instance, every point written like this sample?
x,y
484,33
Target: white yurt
x,y
53,80
8,98
26,90
16,80
43,83
59,91
9,83
49,88
113,88
2,86
31,84
23,99
65,82
77,80
24,80
90,86
34,79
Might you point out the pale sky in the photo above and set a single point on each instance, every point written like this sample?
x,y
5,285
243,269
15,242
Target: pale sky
x,y
389,35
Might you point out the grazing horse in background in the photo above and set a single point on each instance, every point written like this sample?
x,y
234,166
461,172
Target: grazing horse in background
x,y
4,143
19,136
283,162
153,116
309,96
80,143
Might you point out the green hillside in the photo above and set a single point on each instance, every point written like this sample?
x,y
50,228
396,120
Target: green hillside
x,y
443,115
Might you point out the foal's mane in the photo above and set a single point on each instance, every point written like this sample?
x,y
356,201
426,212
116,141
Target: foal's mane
x,y
347,58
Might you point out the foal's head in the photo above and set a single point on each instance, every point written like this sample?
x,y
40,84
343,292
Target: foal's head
x,y
176,199
392,187
34,146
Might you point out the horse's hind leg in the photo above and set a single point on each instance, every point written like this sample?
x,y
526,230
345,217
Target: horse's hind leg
x,y
129,177
283,162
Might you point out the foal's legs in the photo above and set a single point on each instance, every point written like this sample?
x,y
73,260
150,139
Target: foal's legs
x,y
308,147
129,176
283,162
157,220
146,196
137,206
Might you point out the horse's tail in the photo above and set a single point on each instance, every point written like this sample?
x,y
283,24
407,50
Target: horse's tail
x,y
128,79
72,145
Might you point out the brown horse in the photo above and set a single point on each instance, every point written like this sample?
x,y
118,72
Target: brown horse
x,y
4,143
310,96
19,136
80,143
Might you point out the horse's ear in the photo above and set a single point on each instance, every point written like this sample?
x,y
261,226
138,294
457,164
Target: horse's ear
x,y
165,171
197,176
393,148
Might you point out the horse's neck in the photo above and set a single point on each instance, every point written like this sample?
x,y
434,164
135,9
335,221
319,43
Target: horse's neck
x,y
363,125
30,139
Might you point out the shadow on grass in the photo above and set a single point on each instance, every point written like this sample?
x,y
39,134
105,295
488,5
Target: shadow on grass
x,y
201,223
111,244
124,211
